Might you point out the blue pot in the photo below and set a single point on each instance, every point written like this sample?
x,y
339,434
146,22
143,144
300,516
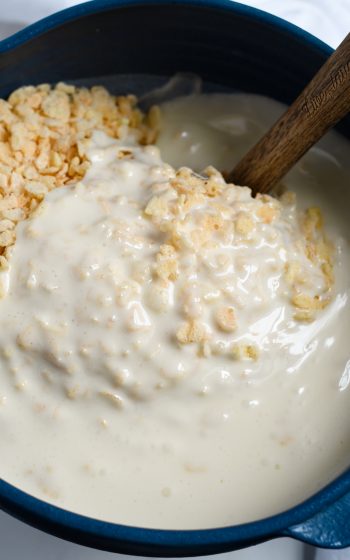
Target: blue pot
x,y
233,47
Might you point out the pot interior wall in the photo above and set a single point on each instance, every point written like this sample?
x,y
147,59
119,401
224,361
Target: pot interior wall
x,y
233,50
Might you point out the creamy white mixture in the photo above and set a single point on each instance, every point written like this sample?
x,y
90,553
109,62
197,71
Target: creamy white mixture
x,y
161,363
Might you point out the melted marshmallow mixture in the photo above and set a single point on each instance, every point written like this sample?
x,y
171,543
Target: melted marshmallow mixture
x,y
174,352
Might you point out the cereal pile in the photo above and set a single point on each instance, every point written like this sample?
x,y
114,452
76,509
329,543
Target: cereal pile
x,y
319,251
43,133
225,230
168,269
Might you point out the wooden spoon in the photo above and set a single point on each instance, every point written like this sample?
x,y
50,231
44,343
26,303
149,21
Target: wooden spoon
x,y
323,102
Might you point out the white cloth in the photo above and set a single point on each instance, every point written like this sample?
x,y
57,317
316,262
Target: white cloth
x,y
329,20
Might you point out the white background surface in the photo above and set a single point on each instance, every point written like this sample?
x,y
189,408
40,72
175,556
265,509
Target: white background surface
x,y
330,21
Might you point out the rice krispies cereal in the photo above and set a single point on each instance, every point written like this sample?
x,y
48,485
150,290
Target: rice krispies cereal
x,y
43,134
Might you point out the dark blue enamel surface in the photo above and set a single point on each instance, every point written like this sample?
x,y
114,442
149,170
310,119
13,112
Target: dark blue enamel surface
x,y
331,525
227,44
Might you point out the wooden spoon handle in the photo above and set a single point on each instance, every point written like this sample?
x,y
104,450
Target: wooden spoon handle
x,y
324,101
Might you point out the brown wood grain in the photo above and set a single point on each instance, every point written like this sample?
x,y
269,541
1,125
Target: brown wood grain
x,y
323,102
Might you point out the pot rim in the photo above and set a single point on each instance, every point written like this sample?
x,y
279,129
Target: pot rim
x,y
37,512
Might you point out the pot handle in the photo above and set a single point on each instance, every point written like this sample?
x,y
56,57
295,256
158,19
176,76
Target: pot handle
x,y
329,528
